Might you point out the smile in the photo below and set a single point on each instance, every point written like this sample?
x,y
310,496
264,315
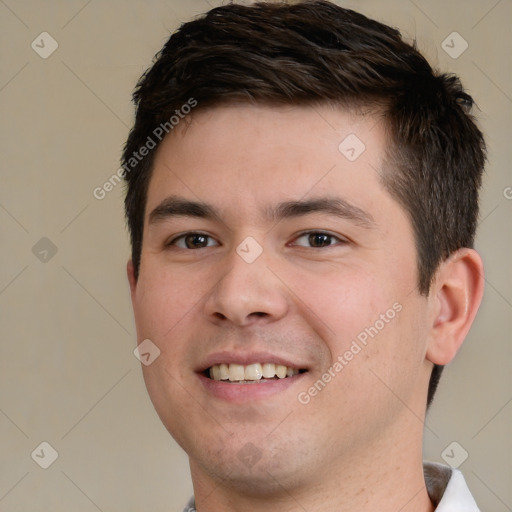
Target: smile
x,y
251,373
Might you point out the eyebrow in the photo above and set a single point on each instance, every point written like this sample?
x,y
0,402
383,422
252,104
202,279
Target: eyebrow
x,y
175,206
337,207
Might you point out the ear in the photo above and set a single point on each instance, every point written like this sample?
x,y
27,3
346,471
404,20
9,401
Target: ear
x,y
130,272
456,295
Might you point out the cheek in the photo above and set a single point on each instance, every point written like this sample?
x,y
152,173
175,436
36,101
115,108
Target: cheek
x,y
163,300
344,303
367,323
164,313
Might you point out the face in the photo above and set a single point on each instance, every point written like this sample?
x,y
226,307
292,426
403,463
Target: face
x,y
271,247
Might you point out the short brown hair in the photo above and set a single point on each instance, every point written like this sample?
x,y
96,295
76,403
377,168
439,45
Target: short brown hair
x,y
313,52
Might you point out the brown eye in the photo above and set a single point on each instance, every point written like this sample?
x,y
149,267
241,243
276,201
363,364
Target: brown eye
x,y
318,240
193,241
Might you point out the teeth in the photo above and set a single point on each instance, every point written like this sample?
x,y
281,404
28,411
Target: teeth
x,y
269,370
215,372
290,372
281,371
252,372
236,372
224,371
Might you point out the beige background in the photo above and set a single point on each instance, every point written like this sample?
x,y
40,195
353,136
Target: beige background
x,y
68,375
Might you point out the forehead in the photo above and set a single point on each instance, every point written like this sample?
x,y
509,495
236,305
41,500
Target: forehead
x,y
248,157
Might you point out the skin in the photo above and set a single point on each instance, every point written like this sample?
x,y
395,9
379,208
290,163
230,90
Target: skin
x,y
361,435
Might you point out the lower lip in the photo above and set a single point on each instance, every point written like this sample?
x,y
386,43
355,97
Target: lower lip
x,y
239,393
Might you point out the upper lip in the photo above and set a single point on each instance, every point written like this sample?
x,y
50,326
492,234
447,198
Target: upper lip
x,y
246,358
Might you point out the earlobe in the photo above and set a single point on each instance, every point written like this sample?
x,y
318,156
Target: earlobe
x,y
130,272
455,298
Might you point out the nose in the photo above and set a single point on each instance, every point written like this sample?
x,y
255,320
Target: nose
x,y
246,294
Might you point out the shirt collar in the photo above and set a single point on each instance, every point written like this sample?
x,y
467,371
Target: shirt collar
x,y
448,489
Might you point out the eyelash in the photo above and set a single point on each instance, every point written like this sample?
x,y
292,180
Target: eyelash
x,y
306,233
322,233
185,235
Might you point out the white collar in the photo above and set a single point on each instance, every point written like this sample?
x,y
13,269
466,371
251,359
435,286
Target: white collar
x,y
448,489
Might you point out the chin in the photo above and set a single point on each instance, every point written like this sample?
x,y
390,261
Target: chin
x,y
256,468
263,478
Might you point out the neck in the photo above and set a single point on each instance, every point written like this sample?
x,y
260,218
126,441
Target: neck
x,y
385,477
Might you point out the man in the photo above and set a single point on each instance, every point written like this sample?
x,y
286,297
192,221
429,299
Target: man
x,y
302,201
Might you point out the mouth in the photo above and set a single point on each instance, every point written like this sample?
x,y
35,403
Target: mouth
x,y
239,377
254,373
